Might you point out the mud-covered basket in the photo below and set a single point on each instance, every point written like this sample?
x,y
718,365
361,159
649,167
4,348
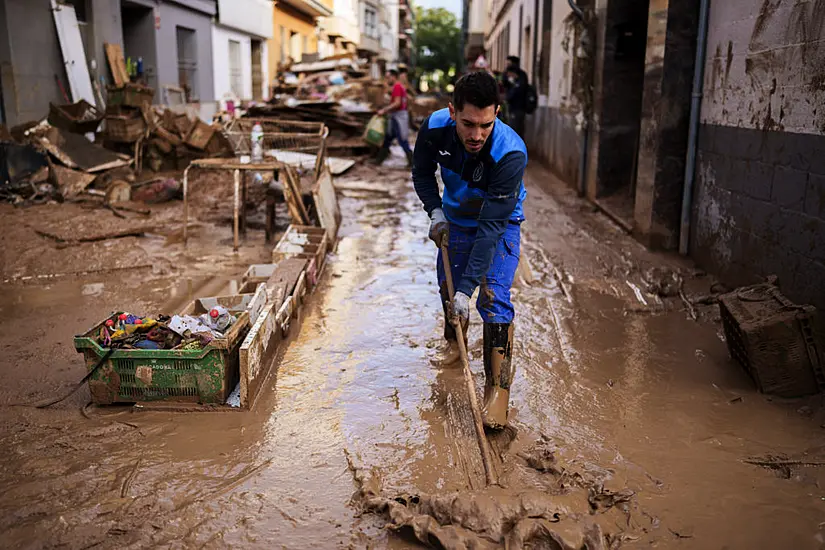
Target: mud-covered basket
x,y
780,344
132,375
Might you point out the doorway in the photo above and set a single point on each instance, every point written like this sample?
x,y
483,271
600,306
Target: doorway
x,y
257,69
139,40
621,107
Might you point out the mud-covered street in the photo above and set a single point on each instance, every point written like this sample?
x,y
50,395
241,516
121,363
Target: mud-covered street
x,y
630,426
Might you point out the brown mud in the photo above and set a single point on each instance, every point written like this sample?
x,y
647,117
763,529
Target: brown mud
x,y
630,427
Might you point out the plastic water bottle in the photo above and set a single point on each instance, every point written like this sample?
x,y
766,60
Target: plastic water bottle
x,y
257,138
220,318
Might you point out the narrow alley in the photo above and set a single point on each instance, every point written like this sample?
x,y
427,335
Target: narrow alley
x,y
629,418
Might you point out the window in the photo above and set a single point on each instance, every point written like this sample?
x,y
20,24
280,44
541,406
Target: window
x,y
295,44
235,72
370,22
187,62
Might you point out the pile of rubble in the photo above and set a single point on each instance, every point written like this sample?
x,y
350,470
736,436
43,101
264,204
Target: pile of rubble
x,y
78,151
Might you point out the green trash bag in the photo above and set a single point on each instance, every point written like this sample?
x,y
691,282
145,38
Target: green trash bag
x,y
376,130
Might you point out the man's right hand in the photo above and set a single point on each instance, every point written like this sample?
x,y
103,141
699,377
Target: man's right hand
x,y
439,227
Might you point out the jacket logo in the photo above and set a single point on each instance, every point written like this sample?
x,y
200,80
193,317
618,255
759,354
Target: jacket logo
x,y
478,172
444,153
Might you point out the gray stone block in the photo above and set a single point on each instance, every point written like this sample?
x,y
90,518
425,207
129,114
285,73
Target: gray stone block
x,y
815,196
788,188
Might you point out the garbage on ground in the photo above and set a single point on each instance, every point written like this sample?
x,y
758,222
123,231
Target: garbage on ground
x,y
128,331
780,344
158,191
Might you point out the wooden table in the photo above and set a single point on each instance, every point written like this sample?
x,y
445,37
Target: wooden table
x,y
240,190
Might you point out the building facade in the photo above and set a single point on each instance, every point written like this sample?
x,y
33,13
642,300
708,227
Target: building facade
x,y
294,30
340,30
240,50
406,33
476,29
173,40
614,79
510,31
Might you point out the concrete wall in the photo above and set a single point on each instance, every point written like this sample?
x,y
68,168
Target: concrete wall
x,y
30,58
105,26
553,136
172,16
759,204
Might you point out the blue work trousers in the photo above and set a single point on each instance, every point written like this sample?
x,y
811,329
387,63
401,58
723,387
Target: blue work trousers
x,y
394,132
493,303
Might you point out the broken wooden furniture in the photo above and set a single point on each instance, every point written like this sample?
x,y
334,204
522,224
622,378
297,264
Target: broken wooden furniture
x,y
240,171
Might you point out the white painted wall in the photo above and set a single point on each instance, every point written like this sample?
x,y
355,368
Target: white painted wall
x,y
765,71
477,22
498,20
251,16
561,62
220,59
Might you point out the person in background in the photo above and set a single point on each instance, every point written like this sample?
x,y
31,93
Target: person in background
x,y
404,79
502,90
398,125
517,85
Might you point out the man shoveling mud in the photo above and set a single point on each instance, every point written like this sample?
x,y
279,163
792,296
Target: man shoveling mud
x,y
482,162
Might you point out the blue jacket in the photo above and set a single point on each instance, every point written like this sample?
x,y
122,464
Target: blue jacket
x,y
484,190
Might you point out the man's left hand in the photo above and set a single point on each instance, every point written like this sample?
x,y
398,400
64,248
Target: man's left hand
x,y
460,309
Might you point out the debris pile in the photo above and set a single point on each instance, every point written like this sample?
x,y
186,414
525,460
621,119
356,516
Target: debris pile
x,y
188,332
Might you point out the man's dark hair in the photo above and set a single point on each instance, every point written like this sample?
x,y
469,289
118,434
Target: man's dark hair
x,y
478,89
393,72
514,60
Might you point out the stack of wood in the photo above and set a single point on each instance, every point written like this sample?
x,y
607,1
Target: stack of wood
x,y
327,112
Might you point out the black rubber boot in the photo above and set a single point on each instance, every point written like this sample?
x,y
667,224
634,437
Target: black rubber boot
x,y
498,372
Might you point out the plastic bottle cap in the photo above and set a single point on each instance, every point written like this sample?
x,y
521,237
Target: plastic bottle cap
x,y
138,321
123,317
110,323
214,313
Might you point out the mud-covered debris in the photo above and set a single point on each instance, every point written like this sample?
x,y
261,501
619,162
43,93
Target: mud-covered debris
x,y
602,498
541,457
662,281
480,519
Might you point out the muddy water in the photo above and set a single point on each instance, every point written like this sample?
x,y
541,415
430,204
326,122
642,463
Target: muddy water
x,y
639,401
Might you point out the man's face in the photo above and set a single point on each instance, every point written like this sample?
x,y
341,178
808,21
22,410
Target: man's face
x,y
391,79
474,125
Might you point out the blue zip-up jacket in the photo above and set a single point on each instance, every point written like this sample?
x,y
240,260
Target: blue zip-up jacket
x,y
483,190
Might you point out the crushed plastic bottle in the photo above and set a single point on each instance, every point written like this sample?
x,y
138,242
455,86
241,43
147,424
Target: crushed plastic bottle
x,y
257,138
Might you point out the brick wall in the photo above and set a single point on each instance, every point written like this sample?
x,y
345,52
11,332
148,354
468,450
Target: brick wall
x,y
759,203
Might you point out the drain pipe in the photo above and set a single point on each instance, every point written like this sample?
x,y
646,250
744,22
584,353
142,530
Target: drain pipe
x,y
585,141
693,134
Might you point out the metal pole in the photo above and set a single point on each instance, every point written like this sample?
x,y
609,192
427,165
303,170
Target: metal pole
x,y
693,134
236,209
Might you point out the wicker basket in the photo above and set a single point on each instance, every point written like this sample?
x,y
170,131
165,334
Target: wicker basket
x,y
125,128
130,95
780,344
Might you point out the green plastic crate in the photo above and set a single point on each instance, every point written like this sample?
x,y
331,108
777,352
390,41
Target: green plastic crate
x,y
197,376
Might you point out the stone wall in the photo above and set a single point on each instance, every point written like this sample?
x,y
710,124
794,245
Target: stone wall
x,y
759,202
